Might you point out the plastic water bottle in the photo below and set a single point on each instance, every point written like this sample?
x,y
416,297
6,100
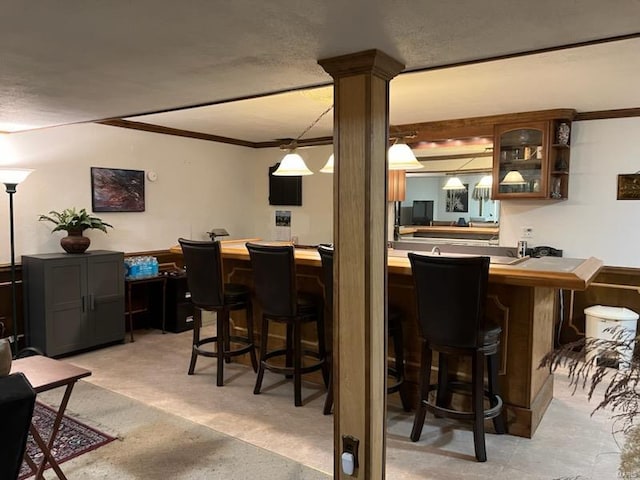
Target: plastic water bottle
x,y
155,267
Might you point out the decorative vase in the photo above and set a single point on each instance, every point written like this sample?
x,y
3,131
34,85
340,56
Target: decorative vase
x,y
75,242
5,357
563,133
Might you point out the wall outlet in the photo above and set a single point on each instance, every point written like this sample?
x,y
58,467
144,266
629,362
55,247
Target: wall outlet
x,y
527,232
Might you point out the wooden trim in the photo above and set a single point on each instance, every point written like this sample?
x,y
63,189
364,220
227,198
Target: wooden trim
x,y
373,62
148,127
606,114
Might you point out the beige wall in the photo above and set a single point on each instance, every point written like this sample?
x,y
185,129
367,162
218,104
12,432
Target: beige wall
x,y
200,185
592,222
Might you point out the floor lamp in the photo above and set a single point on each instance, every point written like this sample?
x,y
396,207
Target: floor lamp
x,y
11,177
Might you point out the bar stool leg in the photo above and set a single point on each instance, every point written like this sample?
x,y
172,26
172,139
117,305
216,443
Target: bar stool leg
x,y
322,349
328,401
197,321
297,362
499,422
425,379
477,399
398,351
221,342
250,336
264,335
289,349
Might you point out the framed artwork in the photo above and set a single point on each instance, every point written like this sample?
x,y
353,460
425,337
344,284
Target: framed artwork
x,y
629,186
458,200
117,190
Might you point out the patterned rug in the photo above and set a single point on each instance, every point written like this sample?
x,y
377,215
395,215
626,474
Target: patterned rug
x,y
73,439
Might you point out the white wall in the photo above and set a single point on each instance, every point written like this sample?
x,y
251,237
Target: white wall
x,y
312,222
591,222
200,185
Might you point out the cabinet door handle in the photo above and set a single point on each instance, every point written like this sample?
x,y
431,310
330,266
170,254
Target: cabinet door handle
x,y
82,303
92,301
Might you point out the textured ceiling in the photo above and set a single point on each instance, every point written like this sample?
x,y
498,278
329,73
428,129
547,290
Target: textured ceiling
x,y
79,60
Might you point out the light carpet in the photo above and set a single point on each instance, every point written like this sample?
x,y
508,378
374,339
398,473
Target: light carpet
x,y
153,444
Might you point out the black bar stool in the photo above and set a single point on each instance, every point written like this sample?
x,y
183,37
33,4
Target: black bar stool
x,y
208,292
394,332
274,276
451,295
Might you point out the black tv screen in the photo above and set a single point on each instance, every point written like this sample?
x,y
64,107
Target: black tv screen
x,y
422,212
284,190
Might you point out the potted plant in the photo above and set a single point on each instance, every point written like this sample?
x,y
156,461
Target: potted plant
x,y
74,223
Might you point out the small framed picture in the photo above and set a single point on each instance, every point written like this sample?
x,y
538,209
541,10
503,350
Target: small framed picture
x,y
629,186
117,190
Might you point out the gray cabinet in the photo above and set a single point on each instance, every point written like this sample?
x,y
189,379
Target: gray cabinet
x,y
73,301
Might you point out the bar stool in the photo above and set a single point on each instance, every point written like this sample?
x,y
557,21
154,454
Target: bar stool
x,y
394,333
208,292
274,276
451,295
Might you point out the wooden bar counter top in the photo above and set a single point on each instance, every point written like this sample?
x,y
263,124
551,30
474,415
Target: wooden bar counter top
x,y
522,299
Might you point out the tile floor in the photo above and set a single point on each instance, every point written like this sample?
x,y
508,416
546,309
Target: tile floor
x,y
568,444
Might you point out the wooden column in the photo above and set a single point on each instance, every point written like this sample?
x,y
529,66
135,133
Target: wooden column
x,y
361,125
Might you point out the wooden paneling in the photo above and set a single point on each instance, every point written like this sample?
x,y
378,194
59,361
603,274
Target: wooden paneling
x,y
361,99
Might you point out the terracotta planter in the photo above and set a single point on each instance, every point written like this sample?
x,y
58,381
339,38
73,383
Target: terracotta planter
x,y
75,242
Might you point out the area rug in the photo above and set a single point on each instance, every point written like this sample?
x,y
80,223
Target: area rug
x,y
74,438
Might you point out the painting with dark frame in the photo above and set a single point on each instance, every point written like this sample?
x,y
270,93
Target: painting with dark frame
x,y
458,200
629,186
117,190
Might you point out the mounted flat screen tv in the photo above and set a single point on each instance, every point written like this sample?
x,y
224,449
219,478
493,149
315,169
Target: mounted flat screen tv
x,y
284,190
422,212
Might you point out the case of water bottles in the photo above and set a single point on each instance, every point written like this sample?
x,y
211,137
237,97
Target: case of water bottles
x,y
141,267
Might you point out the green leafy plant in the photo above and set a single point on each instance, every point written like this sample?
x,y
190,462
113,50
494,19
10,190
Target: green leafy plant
x,y
71,220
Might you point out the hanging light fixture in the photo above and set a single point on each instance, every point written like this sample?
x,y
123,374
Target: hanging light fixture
x,y
513,177
292,165
328,167
485,182
401,156
454,183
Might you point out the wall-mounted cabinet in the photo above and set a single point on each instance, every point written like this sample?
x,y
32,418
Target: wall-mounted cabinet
x,y
531,159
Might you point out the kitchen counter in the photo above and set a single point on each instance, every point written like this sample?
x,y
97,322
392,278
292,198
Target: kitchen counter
x,y
522,299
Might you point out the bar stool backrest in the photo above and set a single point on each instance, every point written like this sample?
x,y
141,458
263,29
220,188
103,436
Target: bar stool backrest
x,y
17,400
451,294
326,257
274,278
204,272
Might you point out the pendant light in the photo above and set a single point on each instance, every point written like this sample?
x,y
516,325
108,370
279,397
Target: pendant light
x,y
292,165
513,177
401,157
454,183
328,167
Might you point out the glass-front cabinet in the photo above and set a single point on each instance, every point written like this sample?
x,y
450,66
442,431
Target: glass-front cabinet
x,y
531,160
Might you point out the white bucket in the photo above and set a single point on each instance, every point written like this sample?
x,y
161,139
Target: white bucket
x,y
598,319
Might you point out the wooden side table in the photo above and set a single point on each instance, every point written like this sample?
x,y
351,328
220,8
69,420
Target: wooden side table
x,y
130,283
46,374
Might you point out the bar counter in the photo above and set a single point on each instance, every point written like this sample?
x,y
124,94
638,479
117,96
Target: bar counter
x,y
521,299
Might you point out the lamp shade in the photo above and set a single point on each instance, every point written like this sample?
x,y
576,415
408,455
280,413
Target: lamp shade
x,y
328,167
453,183
485,182
513,177
402,158
292,165
13,176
